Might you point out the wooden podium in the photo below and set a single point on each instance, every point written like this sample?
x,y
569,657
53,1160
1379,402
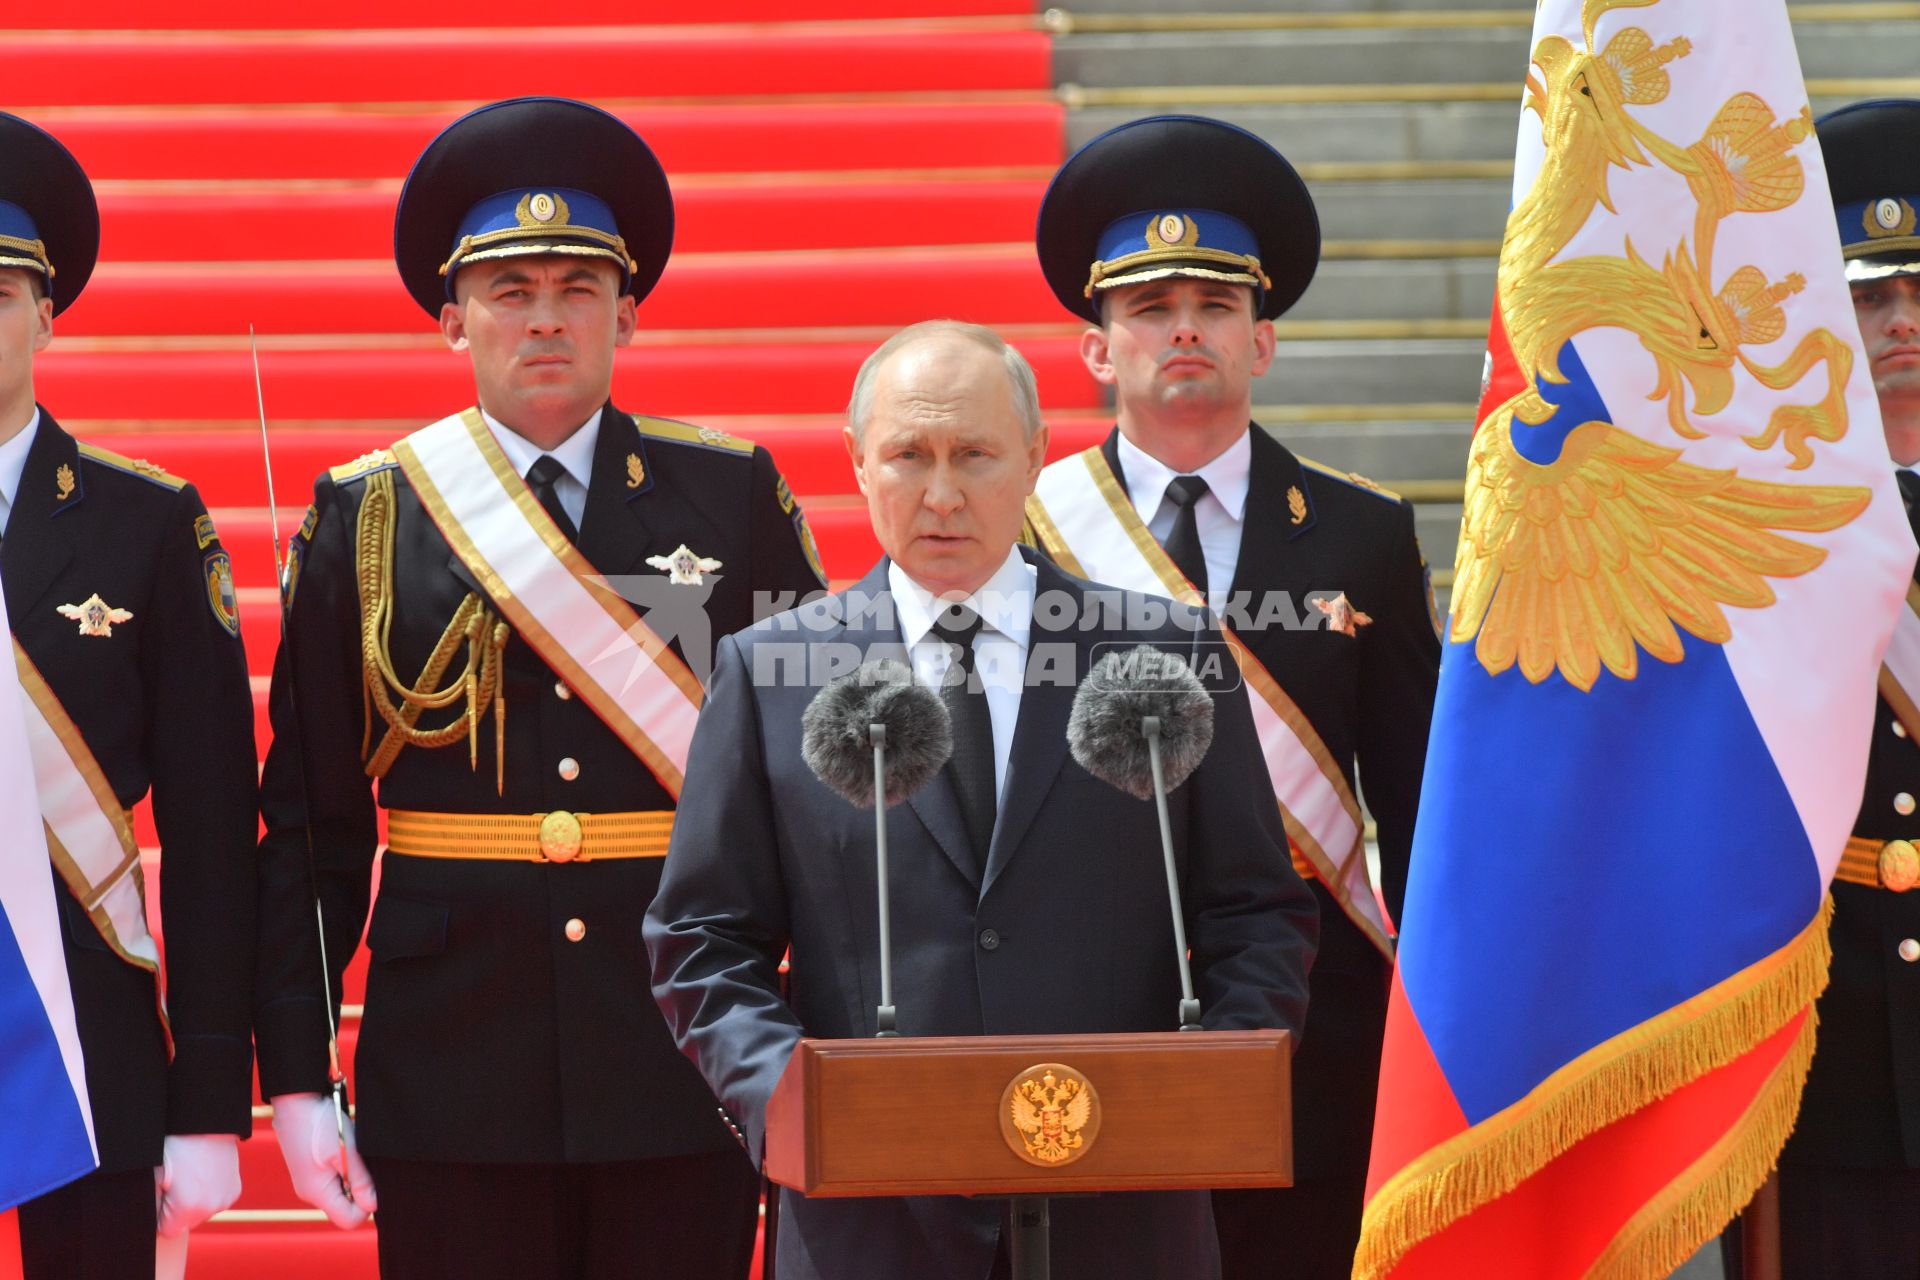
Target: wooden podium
x,y
982,1116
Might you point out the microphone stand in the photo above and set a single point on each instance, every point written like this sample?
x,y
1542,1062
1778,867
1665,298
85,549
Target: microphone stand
x,y
1189,1005
884,1019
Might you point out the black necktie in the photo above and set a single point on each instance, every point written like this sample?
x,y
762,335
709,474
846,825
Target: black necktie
x,y
971,765
1183,544
1910,495
541,478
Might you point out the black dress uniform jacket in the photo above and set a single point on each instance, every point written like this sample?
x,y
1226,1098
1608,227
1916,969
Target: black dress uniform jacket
x,y
1065,931
1861,1107
164,705
489,1035
1370,698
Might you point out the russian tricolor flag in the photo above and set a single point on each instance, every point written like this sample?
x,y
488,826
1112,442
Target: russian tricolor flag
x,y
46,1124
1681,558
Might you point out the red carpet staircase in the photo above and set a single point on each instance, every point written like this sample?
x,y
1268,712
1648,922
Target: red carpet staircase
x,y
841,168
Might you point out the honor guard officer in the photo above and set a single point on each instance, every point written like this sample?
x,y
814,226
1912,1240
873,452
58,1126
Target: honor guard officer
x,y
1180,239
1850,1174
461,637
121,603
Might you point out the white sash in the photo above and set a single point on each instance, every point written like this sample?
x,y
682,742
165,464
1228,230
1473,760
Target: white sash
x,y
551,595
1900,672
88,834
1087,523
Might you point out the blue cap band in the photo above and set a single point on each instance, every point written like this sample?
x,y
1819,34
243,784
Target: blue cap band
x,y
20,244
1153,243
538,220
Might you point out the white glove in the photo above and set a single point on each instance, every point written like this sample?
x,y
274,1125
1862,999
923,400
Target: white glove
x,y
199,1175
310,1143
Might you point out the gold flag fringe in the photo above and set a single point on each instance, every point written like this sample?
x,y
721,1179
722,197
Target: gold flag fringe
x,y
1602,1086
1699,1203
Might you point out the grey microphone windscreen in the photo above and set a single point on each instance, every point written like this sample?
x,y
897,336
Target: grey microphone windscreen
x,y
1104,732
837,743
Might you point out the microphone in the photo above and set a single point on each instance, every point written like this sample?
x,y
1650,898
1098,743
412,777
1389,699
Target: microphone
x,y
1142,722
875,732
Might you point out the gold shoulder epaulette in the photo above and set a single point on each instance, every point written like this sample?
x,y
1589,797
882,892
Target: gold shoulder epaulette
x,y
1353,478
150,472
687,433
364,465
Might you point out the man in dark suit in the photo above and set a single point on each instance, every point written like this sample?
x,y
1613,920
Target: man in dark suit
x,y
1850,1174
1180,240
1028,897
458,632
121,602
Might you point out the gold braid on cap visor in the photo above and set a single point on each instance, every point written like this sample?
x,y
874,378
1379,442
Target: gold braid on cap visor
x,y
1173,260
34,251
517,241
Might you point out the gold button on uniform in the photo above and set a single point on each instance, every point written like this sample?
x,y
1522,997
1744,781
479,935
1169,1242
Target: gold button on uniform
x,y
1909,950
563,693
570,769
576,929
1903,803
1899,730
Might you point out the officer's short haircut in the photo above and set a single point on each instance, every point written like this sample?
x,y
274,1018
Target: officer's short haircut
x,y
1020,380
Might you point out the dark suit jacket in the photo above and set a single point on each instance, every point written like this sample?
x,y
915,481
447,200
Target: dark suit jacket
x,y
1370,698
1861,1107
164,704
488,1035
1068,933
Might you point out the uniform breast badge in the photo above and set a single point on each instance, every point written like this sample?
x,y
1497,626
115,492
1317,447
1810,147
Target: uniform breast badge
x,y
63,483
1050,1115
95,616
1296,505
1342,616
684,566
1899,865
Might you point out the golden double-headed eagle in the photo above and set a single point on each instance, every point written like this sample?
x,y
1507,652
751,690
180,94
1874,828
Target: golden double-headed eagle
x,y
1613,547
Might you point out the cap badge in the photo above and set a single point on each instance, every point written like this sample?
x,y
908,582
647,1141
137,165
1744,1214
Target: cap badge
x,y
1888,216
684,566
95,616
540,209
1172,231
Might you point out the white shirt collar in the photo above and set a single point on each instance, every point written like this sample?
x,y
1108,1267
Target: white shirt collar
x,y
575,453
1004,602
13,461
1228,476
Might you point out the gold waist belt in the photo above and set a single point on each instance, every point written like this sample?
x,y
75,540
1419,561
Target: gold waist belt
x,y
559,836
1881,864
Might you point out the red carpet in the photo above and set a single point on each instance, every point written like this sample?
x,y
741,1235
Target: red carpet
x,y
294,142
54,70
841,168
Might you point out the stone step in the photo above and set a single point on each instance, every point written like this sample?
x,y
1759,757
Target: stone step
x,y
1423,289
1430,452
1362,372
1156,7
1348,132
1408,54
1455,209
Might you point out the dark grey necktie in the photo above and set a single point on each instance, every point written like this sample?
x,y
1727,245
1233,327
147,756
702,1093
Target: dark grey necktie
x,y
1183,544
542,476
971,765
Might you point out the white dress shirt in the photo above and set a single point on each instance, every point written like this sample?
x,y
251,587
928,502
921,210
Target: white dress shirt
x,y
1219,517
574,454
13,461
1005,606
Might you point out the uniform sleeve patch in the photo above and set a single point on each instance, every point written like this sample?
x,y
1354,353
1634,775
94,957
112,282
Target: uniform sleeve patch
x,y
217,569
297,555
203,534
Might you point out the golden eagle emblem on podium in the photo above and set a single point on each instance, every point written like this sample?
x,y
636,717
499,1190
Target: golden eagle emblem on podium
x,y
1050,1115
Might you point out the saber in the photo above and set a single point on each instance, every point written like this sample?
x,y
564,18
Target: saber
x,y
336,1078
